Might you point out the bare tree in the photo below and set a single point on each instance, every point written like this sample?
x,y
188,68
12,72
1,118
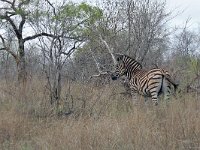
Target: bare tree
x,y
146,27
184,56
185,41
137,28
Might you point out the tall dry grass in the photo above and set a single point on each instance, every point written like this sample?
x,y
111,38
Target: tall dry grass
x,y
101,118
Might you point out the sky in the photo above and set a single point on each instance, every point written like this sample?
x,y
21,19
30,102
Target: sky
x,y
187,8
190,8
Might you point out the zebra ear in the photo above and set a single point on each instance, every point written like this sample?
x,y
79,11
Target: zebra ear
x,y
118,57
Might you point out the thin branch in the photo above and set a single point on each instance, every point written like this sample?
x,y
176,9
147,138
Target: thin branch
x,y
4,8
8,49
54,10
68,54
2,39
7,2
12,53
71,50
3,48
24,2
11,3
9,14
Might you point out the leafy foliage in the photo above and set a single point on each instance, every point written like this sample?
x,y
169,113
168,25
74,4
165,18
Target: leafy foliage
x,y
77,17
80,11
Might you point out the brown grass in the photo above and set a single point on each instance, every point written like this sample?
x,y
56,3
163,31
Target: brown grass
x,y
101,119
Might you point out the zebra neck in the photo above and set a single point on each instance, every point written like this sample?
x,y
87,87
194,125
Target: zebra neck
x,y
131,72
131,66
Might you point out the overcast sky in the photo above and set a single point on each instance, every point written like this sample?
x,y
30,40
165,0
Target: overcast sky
x,y
191,10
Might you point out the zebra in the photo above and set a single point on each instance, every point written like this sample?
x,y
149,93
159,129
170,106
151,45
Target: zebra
x,y
149,83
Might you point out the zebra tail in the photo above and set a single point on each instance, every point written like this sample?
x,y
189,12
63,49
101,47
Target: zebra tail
x,y
175,86
172,82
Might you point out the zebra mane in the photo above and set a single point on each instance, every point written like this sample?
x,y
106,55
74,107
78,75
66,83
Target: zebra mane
x,y
124,57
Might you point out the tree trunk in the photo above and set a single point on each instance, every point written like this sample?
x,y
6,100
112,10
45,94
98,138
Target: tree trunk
x,y
21,69
58,88
21,65
56,85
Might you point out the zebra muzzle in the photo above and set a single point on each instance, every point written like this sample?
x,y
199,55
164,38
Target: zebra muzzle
x,y
114,77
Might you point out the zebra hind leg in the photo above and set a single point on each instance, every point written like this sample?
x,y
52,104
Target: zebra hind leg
x,y
155,99
167,91
154,95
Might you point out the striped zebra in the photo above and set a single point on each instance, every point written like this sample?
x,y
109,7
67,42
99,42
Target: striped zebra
x,y
150,83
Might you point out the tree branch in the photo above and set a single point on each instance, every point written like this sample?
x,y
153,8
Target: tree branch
x,y
71,50
3,48
6,17
54,10
38,35
24,2
11,3
109,49
8,50
22,23
50,35
9,14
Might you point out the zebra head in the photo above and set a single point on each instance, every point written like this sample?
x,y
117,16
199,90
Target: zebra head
x,y
125,65
120,68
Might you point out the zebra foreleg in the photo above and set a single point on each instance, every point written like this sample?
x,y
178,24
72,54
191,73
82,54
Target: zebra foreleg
x,y
134,97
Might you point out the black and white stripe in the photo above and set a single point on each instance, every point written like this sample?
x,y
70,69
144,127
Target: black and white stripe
x,y
149,83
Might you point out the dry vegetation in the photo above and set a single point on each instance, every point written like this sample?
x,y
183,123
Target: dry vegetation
x,y
101,118
76,41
